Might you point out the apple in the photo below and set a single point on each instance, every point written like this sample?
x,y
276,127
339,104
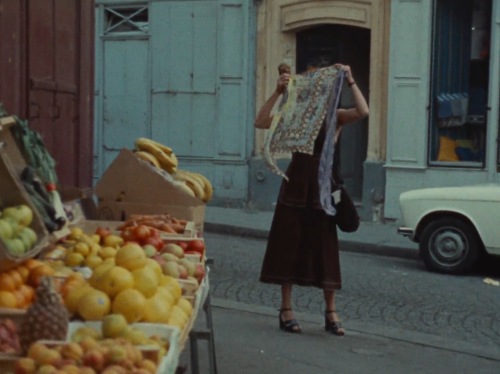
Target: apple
x,y
6,231
159,259
188,265
167,257
173,249
183,245
15,247
171,269
149,250
199,272
183,273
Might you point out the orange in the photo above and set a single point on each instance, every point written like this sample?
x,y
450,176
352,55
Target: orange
x,y
24,273
69,286
16,277
29,293
76,277
31,264
7,283
7,300
40,271
21,299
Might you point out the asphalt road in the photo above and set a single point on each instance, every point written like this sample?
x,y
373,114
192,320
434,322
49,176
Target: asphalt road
x,y
380,290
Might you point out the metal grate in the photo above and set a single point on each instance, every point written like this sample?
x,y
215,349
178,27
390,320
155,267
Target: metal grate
x,y
126,20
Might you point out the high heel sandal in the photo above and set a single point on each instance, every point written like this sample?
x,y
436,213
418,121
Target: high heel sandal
x,y
335,327
289,326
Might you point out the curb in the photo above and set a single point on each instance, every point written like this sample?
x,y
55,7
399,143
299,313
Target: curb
x,y
351,246
366,328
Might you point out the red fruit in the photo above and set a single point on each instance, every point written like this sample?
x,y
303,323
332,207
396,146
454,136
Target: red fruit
x,y
183,245
142,232
158,259
152,241
102,232
128,235
196,246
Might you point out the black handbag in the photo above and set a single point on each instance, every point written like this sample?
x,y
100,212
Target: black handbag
x,y
347,218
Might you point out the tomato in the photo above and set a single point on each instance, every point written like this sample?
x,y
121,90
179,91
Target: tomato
x,y
183,245
196,246
128,235
155,233
142,232
102,232
155,242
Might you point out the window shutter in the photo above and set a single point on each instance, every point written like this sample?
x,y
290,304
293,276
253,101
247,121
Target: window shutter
x,y
409,79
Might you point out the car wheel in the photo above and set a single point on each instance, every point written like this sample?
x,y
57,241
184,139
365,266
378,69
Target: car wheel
x,y
449,245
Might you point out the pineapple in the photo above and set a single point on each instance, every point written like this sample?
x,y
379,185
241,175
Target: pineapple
x,y
46,319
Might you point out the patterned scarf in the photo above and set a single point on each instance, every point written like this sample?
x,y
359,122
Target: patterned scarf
x,y
309,99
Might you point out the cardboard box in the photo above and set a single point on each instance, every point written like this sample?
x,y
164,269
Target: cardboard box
x,y
132,186
12,193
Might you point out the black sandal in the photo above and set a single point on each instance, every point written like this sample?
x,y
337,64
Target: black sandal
x,y
334,327
289,326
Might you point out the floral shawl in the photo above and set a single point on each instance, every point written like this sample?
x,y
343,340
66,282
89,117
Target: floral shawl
x,y
309,99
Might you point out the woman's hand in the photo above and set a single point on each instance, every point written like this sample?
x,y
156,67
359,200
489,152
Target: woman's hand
x,y
282,84
347,69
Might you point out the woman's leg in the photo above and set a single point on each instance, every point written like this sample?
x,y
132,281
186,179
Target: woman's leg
x,y
286,304
330,306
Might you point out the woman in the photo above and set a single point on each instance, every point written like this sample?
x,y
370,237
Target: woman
x,y
303,245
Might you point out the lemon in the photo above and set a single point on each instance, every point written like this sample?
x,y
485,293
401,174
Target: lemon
x,y
74,260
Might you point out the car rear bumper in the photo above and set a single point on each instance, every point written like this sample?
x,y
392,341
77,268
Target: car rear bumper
x,y
405,231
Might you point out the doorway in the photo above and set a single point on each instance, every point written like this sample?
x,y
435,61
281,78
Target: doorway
x,y
326,45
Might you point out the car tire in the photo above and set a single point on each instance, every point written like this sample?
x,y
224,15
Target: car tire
x,y
449,245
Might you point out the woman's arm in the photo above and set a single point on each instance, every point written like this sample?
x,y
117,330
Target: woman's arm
x,y
361,110
264,118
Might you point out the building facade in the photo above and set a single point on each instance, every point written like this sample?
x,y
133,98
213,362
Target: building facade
x,y
179,72
308,33
443,103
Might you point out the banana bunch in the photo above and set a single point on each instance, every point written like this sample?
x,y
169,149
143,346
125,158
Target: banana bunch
x,y
164,158
195,184
156,154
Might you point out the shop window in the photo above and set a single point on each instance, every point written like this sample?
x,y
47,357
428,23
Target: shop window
x,y
460,81
121,20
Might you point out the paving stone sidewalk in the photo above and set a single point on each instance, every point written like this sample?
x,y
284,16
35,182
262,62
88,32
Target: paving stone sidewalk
x,y
372,238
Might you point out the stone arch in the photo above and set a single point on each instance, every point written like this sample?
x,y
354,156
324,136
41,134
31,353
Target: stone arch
x,y
305,14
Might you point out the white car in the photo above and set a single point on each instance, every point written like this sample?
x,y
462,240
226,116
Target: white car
x,y
452,225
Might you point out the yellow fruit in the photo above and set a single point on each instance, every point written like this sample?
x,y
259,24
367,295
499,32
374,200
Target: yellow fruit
x,y
171,285
109,261
94,305
148,157
113,325
74,260
152,264
145,281
176,322
185,305
95,238
98,272
82,249
115,281
93,261
166,295
131,304
177,312
131,257
76,233
94,250
107,252
113,241
157,309
73,297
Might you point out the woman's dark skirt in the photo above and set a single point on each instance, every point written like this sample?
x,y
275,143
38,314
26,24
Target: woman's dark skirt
x,y
302,249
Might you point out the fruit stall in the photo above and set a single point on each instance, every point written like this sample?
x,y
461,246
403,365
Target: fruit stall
x,y
81,293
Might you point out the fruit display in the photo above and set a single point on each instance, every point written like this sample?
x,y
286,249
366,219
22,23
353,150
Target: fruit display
x,y
163,157
160,223
112,356
9,340
134,287
174,263
17,286
15,232
115,326
46,319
